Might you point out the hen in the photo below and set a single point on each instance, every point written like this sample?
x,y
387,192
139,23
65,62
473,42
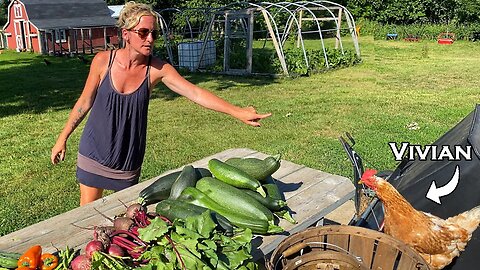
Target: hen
x,y
437,240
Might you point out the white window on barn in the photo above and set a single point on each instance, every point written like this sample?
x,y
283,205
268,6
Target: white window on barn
x,y
60,36
17,9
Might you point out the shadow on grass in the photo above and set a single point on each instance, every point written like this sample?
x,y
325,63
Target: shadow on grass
x,y
37,83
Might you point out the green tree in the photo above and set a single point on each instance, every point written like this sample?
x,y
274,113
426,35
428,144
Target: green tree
x,y
468,11
440,11
3,12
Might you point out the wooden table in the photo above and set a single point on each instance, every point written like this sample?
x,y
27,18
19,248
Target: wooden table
x,y
311,194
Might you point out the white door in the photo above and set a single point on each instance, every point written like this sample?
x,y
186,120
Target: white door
x,y
20,35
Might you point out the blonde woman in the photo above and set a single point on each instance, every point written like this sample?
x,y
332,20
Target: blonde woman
x,y
116,93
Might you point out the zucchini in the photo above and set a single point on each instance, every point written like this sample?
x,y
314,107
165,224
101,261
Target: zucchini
x,y
274,193
270,203
285,214
202,172
271,187
234,176
187,178
9,259
260,226
233,199
158,190
162,187
177,209
255,167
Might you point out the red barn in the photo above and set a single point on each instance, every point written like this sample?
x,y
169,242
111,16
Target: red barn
x,y
60,26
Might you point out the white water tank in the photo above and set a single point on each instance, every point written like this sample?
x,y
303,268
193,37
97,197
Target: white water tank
x,y
189,54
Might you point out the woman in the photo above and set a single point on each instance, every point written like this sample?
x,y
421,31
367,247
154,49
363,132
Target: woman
x,y
117,91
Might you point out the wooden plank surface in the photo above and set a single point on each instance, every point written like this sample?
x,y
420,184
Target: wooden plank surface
x,y
311,194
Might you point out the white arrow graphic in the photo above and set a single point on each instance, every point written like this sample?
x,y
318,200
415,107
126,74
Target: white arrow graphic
x,y
435,193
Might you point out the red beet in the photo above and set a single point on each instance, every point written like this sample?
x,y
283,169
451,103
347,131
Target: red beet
x,y
122,223
133,209
81,262
93,246
115,250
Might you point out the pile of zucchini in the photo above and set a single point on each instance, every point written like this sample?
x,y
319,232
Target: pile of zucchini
x,y
240,192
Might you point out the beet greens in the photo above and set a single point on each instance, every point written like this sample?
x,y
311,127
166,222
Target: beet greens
x,y
195,244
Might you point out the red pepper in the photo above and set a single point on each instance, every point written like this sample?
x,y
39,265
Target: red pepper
x,y
49,261
31,258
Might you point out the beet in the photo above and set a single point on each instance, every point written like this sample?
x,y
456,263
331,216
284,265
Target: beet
x,y
122,223
93,246
133,209
81,262
116,250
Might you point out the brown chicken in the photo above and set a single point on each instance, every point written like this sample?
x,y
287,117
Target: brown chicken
x,y
437,240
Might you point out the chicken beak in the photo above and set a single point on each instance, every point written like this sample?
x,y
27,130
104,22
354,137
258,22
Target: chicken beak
x,y
360,181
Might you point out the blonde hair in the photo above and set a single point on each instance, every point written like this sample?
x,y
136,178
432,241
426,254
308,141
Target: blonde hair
x,y
131,14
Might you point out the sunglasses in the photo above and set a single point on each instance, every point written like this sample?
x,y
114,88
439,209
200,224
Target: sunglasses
x,y
144,32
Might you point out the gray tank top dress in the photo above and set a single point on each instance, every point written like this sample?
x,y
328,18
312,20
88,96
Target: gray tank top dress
x,y
112,145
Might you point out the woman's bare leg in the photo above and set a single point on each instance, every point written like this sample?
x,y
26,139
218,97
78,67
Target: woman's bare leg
x,y
89,194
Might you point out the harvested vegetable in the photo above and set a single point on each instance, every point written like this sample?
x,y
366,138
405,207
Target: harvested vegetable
x,y
81,262
49,261
101,261
234,176
133,209
187,178
65,257
259,169
233,199
195,243
93,246
128,241
115,250
122,223
31,258
273,192
158,190
256,224
9,259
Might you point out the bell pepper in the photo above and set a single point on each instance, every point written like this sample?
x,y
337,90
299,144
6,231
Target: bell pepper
x,y
49,261
31,258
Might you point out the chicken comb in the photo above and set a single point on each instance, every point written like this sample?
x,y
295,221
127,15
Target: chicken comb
x,y
369,173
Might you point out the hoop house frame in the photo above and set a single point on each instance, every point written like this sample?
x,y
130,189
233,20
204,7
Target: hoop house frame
x,y
280,20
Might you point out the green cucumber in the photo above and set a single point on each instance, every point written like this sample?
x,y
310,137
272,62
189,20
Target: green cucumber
x,y
187,178
234,176
255,167
260,226
177,209
233,198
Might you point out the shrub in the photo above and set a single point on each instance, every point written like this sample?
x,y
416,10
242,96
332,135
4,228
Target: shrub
x,y
297,66
422,31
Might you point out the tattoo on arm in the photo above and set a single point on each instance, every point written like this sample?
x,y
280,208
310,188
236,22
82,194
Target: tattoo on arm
x,y
79,118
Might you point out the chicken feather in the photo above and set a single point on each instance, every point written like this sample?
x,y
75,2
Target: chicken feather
x,y
437,240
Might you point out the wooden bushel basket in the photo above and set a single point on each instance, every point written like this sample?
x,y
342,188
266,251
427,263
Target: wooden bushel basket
x,y
342,247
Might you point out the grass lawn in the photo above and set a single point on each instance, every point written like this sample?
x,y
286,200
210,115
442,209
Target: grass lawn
x,y
398,83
